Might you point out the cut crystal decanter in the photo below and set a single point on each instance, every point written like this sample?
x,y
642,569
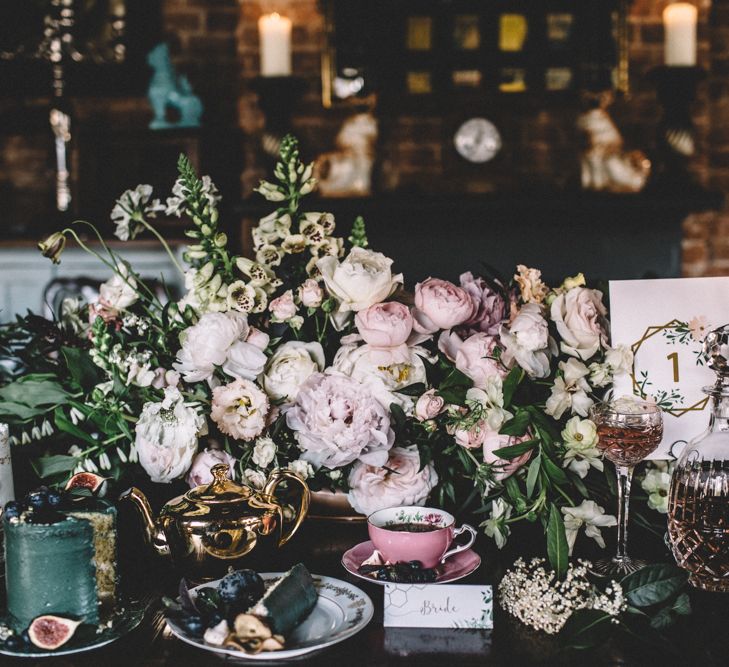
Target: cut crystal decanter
x,y
698,510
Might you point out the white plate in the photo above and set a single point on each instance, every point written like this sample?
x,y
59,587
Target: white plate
x,y
341,611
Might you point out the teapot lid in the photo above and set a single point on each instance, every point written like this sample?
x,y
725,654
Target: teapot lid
x,y
221,490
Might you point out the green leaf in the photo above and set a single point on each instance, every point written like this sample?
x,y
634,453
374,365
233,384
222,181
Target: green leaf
x,y
513,451
554,472
579,485
398,415
34,393
516,425
511,383
47,466
533,474
83,371
454,396
585,628
412,389
653,584
682,605
663,619
557,549
22,412
456,379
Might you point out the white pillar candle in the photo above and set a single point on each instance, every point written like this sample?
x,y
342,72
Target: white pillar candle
x,y
274,32
7,490
679,23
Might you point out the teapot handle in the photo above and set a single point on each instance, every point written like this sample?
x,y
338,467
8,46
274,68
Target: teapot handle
x,y
274,479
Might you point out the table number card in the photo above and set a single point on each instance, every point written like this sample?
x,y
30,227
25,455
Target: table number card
x,y
438,606
664,323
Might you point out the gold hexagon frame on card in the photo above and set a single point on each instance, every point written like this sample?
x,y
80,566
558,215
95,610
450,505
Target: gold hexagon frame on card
x,y
649,333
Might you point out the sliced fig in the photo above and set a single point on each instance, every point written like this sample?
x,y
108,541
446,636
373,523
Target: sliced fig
x,y
87,480
51,632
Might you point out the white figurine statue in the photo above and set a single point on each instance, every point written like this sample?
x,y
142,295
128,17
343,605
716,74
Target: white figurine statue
x,y
605,164
347,171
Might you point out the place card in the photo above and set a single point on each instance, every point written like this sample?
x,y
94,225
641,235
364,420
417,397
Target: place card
x,y
438,606
664,323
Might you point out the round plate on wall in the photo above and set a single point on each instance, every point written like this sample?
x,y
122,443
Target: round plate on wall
x,y
477,140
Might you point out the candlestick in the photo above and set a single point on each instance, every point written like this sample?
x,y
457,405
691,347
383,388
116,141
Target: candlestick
x,y
7,492
679,22
274,32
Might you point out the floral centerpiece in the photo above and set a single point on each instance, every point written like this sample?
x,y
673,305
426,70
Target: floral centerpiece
x,y
310,355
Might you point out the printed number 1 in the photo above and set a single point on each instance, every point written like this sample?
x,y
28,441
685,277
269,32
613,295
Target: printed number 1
x,y
674,357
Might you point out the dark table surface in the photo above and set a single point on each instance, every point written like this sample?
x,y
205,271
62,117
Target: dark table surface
x,y
701,639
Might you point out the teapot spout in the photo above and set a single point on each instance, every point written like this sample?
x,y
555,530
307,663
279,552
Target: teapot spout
x,y
154,535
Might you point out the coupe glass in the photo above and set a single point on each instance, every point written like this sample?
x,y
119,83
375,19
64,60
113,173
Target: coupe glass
x,y
629,430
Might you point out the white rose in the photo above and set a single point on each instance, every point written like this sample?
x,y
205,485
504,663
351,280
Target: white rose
x,y
254,478
361,280
526,341
205,345
289,366
166,437
400,482
580,316
283,308
120,291
263,452
302,468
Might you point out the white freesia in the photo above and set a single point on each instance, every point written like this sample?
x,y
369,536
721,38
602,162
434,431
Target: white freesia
x,y
495,526
656,484
289,366
526,341
362,279
580,442
166,436
491,401
120,291
570,390
264,452
590,515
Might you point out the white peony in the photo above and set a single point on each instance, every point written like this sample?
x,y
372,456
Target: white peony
x,y
289,367
401,481
264,452
166,437
590,515
218,339
570,390
526,341
120,291
580,442
362,279
336,421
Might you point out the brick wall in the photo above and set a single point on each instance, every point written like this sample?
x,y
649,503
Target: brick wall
x,y
215,42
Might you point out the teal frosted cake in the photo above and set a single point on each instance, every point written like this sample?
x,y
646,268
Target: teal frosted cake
x,y
60,560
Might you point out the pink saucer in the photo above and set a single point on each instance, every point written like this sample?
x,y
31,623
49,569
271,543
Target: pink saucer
x,y
456,567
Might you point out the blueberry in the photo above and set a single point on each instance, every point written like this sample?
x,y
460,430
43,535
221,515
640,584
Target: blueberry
x,y
215,619
25,637
12,509
54,498
14,643
193,625
38,500
241,587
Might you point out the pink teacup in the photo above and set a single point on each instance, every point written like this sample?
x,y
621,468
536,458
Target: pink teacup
x,y
430,540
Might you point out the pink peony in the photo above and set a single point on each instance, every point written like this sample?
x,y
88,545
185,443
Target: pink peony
x,y
475,359
439,304
239,409
493,441
429,406
385,324
491,310
400,482
199,472
337,420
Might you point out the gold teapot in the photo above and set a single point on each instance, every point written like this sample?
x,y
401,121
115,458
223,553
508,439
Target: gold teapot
x,y
208,528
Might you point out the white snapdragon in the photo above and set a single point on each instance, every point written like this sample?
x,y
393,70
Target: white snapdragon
x,y
580,442
570,390
590,515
